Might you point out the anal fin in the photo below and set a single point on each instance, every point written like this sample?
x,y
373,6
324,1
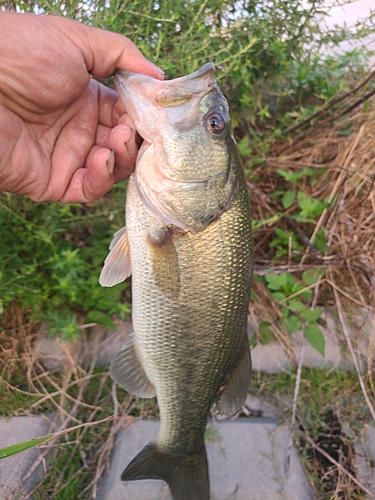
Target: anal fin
x,y
127,371
236,388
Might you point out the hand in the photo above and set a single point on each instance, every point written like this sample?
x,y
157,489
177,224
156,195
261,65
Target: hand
x,y
62,135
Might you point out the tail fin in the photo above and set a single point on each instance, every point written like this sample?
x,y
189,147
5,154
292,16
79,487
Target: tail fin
x,y
187,476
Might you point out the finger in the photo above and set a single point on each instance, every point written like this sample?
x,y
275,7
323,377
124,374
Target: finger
x,y
122,140
102,135
74,143
92,181
107,102
126,120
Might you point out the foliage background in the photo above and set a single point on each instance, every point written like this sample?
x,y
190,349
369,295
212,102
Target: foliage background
x,y
269,63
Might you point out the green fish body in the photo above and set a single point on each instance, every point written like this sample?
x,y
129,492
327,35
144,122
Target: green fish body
x,y
188,246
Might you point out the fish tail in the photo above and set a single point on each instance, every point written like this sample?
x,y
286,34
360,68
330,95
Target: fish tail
x,y
186,475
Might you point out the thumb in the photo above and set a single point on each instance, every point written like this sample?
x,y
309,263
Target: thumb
x,y
105,52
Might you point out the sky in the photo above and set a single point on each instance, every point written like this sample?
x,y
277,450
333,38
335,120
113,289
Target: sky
x,y
349,14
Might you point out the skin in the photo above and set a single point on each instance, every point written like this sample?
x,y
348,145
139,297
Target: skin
x,y
63,136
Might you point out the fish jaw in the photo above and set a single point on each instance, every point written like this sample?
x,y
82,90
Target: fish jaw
x,y
144,97
181,159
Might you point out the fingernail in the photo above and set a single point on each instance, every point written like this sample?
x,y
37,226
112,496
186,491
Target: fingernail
x,y
111,162
159,70
130,144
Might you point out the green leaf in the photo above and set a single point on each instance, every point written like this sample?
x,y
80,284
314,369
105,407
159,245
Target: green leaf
x,y
312,314
297,305
311,276
101,318
277,281
24,445
315,338
293,324
288,199
310,207
290,176
244,146
265,334
106,304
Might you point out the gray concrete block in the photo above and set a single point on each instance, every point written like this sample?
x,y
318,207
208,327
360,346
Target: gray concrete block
x,y
12,470
101,344
247,460
272,357
365,459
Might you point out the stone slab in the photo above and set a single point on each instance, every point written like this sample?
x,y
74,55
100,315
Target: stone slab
x,y
247,460
12,470
365,459
100,344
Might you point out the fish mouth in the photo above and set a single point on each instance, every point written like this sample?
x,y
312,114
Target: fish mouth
x,y
170,93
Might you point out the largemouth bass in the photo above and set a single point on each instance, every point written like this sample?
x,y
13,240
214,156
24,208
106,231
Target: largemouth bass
x,y
187,244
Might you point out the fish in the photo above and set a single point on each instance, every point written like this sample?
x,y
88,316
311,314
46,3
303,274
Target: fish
x,y
188,245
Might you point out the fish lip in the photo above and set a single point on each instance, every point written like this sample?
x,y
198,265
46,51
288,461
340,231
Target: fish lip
x,y
206,68
137,77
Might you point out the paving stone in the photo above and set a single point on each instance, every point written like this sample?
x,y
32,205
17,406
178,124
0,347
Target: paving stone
x,y
100,343
365,459
247,460
16,430
259,407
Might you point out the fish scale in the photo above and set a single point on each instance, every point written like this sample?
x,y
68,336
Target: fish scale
x,y
188,244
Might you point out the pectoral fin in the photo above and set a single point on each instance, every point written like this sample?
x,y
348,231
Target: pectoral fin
x,y
165,263
127,371
117,265
237,386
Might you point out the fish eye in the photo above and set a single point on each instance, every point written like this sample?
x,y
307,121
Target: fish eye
x,y
215,123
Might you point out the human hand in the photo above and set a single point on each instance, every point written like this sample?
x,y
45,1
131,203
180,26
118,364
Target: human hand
x,y
62,135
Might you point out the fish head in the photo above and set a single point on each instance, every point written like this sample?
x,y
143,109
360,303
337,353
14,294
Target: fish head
x,y
184,170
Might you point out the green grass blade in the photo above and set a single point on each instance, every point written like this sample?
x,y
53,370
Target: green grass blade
x,y
25,445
